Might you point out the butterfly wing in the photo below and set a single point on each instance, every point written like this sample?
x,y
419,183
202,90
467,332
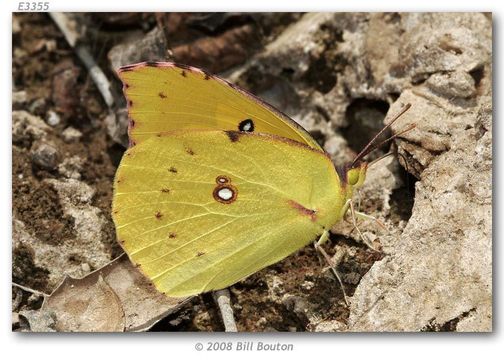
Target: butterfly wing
x,y
167,96
201,210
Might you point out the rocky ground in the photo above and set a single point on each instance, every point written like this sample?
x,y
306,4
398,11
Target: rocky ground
x,y
337,74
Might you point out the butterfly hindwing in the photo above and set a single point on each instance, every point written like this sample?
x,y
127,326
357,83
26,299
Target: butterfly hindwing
x,y
200,210
167,96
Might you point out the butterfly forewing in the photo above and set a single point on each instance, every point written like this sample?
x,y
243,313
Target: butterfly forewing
x,y
167,96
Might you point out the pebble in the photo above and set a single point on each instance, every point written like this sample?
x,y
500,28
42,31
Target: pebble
x,y
19,97
85,267
307,285
53,118
329,326
15,319
71,134
45,156
37,106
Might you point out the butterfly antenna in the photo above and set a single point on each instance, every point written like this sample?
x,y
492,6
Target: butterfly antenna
x,y
406,165
380,158
369,147
408,128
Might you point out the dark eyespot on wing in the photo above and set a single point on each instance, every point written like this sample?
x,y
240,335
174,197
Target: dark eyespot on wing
x,y
246,125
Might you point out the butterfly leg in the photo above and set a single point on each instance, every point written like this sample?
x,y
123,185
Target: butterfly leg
x,y
363,216
353,214
318,247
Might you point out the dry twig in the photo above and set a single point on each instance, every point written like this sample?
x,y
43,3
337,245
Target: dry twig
x,y
222,298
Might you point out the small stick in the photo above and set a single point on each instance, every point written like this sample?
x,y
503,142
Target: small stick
x,y
223,300
30,290
65,25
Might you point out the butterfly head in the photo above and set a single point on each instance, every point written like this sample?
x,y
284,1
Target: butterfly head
x,y
356,175
352,176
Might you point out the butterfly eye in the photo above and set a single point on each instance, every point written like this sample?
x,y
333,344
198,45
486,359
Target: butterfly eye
x,y
353,176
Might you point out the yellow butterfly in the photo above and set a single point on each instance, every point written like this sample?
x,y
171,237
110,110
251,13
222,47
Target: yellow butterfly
x,y
218,184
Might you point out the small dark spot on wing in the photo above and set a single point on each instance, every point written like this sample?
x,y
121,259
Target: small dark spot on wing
x,y
173,170
234,136
165,190
303,211
162,95
172,235
183,73
159,215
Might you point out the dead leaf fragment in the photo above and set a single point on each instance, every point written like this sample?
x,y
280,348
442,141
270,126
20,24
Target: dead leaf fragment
x,y
115,298
86,305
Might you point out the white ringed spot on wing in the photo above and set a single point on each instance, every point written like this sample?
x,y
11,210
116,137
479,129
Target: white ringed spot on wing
x,y
225,193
